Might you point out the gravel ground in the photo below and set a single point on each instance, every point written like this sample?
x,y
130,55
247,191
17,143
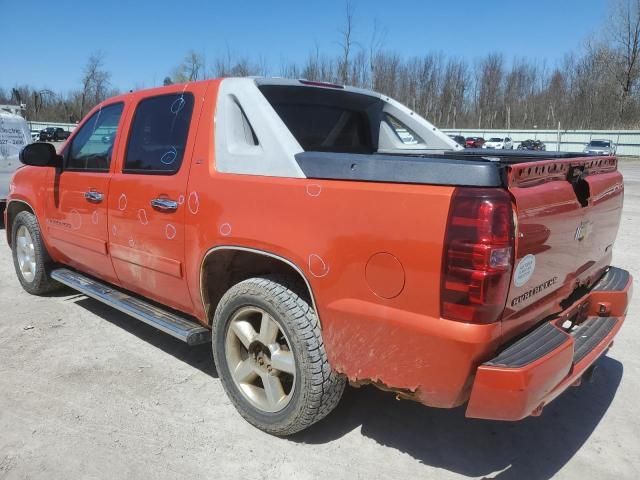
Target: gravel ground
x,y
86,392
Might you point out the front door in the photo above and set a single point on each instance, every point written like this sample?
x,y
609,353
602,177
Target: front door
x,y
147,198
76,220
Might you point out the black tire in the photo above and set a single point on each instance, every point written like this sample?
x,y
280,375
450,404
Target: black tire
x,y
318,388
41,283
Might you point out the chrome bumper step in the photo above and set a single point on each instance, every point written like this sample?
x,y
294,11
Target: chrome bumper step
x,y
181,328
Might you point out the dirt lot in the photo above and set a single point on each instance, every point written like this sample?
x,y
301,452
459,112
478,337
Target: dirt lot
x,y
86,392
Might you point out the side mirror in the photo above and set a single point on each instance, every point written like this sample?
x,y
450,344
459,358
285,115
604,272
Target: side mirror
x,y
40,155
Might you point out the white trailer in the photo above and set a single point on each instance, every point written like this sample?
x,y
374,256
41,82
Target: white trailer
x,y
14,134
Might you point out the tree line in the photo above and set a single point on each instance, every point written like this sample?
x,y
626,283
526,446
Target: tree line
x,y
597,87
47,105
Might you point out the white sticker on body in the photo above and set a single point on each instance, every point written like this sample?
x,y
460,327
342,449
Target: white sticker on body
x,y
524,270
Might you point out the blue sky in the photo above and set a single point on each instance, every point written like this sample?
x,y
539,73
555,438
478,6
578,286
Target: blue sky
x,y
47,43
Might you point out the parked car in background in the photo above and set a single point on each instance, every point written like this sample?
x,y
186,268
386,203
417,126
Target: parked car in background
x,y
535,145
108,138
499,143
459,139
14,134
600,147
474,142
53,134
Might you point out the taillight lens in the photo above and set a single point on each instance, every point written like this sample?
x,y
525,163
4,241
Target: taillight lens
x,y
478,255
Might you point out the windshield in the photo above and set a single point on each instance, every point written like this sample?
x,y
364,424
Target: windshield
x,y
599,143
495,139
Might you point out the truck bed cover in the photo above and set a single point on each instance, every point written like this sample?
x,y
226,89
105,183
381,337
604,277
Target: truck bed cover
x,y
472,168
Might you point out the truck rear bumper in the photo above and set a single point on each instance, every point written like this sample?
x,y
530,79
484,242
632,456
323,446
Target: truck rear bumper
x,y
538,367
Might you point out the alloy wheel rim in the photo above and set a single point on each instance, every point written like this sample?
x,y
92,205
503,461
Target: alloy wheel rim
x,y
260,359
26,254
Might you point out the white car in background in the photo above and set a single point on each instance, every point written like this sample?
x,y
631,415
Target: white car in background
x,y
499,143
600,147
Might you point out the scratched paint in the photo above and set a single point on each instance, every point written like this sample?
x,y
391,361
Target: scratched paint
x,y
177,105
122,202
170,231
225,229
193,203
75,219
317,266
169,156
314,190
142,216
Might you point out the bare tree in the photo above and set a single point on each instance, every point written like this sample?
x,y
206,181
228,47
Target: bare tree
x,y
95,82
347,41
378,37
190,69
489,78
624,33
228,66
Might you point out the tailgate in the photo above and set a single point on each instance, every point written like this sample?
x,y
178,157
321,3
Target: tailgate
x,y
567,217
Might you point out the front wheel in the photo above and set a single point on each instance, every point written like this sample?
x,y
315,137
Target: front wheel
x,y
269,353
30,257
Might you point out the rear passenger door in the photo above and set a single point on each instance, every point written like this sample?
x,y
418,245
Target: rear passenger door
x,y
147,197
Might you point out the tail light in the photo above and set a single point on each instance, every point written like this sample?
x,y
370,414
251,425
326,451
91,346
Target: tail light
x,y
478,256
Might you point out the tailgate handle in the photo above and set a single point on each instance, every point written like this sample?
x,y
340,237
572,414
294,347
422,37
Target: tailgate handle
x,y
576,176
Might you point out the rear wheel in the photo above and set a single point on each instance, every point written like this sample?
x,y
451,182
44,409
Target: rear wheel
x,y
268,349
30,257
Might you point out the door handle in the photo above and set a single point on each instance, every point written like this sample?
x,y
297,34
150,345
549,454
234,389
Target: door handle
x,y
164,204
93,196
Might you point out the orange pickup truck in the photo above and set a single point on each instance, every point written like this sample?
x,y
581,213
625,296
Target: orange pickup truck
x,y
318,234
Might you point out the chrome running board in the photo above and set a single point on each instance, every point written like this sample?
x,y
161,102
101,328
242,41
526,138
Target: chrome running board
x,y
186,330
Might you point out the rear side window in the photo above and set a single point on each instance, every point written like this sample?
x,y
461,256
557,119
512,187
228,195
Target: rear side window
x,y
327,119
327,128
159,134
404,133
92,146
